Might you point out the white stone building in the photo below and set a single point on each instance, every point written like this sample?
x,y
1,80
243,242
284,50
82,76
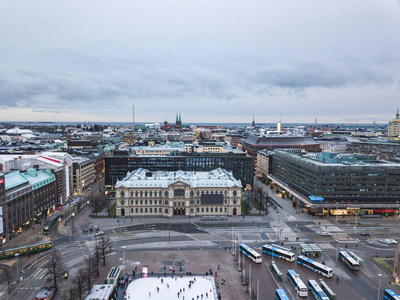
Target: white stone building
x,y
145,193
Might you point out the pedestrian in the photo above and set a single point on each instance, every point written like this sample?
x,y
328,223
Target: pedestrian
x,y
206,295
149,294
337,279
183,289
167,285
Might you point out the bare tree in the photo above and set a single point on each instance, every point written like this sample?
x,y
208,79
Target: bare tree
x,y
9,278
104,247
96,260
79,282
56,268
89,267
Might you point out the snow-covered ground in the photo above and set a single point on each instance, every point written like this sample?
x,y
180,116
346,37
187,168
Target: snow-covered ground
x,y
146,288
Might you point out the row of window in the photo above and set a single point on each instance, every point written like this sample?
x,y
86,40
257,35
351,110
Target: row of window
x,y
177,193
166,202
146,210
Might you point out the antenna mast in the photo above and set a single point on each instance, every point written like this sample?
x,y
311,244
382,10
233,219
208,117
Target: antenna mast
x,y
133,116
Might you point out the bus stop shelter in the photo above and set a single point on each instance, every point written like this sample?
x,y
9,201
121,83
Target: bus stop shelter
x,y
311,250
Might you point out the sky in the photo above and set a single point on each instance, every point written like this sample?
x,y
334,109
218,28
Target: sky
x,y
212,61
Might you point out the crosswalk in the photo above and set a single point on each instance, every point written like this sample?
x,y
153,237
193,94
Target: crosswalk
x,y
325,246
40,273
57,236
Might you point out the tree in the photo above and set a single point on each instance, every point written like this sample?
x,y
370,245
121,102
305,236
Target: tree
x,y
104,247
79,282
96,260
56,267
9,278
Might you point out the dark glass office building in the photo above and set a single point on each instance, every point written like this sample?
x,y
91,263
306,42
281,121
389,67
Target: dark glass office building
x,y
359,182
240,164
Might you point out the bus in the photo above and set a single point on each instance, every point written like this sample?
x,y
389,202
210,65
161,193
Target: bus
x,y
297,283
316,290
349,261
250,253
390,295
25,250
271,250
50,222
331,295
280,295
314,266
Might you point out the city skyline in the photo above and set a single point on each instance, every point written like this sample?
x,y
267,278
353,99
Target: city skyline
x,y
212,62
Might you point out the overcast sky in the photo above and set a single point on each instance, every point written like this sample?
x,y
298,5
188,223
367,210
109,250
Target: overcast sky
x,y
213,61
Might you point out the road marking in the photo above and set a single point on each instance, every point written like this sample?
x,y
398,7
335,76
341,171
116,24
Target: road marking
x,y
326,246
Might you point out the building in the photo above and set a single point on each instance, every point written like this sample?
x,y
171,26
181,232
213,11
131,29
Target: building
x,y
333,146
384,149
253,143
25,197
353,183
394,127
82,173
145,193
233,139
240,164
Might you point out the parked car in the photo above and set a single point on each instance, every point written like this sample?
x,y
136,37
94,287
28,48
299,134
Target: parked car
x,y
99,233
365,234
388,241
325,233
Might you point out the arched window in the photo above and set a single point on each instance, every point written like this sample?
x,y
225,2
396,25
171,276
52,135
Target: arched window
x,y
198,209
206,209
225,209
226,193
145,201
202,209
151,210
141,194
136,194
160,202
234,193
191,193
160,194
137,202
198,193
150,194
166,210
145,194
145,210
141,202
131,210
136,210
159,210
166,194
132,194
166,202
234,201
122,202
122,194
191,210
225,201
131,202
191,202
141,209
151,202
220,209
179,192
211,209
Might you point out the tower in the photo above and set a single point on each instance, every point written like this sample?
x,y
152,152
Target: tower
x,y
133,117
253,124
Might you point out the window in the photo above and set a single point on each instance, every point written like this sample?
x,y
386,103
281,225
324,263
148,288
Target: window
x,y
160,202
179,192
141,194
234,201
225,201
151,210
211,209
159,210
136,194
202,209
198,209
198,202
137,202
151,202
166,202
234,193
150,194
141,202
166,194
191,193
145,201
191,202
122,194
220,209
141,209
136,210
122,202
132,194
191,210
145,194
131,202
131,210
225,209
206,209
166,210
145,210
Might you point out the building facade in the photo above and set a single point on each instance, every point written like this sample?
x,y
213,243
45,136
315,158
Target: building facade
x,y
25,197
360,183
83,173
240,164
163,194
394,127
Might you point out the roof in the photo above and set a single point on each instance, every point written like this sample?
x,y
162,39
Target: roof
x,y
275,141
14,179
100,292
142,178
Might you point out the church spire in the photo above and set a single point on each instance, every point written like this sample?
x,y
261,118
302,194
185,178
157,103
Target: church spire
x,y
253,124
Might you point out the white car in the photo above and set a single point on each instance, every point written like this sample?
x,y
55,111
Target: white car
x,y
325,233
99,233
388,241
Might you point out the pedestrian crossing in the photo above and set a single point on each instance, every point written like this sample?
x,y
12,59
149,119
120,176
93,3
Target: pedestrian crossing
x,y
40,273
325,246
57,236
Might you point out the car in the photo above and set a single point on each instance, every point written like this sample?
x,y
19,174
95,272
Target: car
x,y
365,234
388,241
325,233
99,233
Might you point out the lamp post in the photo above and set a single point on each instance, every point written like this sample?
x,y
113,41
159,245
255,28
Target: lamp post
x,y
379,285
17,255
123,255
169,228
397,209
278,225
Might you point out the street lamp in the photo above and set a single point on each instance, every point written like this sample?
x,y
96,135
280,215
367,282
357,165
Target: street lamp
x,y
169,228
379,285
17,255
123,255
